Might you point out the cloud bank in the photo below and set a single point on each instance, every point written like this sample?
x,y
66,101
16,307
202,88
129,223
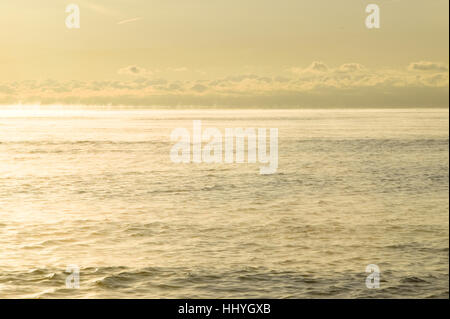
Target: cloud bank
x,y
428,66
421,84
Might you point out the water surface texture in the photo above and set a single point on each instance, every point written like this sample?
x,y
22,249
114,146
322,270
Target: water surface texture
x,y
97,189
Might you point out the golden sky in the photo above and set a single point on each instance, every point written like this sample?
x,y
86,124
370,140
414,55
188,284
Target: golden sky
x,y
226,53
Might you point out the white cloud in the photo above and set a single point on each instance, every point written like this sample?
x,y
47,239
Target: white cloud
x,y
427,66
349,84
134,70
351,67
318,66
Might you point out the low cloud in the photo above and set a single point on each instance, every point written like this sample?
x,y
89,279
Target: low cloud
x,y
318,85
315,67
134,70
199,88
351,67
318,67
428,66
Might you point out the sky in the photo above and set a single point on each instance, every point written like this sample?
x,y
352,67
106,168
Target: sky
x,y
266,53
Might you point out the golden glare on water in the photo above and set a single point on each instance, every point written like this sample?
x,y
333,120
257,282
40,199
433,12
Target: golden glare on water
x,y
97,189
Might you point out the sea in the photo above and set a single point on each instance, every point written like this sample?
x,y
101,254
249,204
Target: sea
x,y
92,206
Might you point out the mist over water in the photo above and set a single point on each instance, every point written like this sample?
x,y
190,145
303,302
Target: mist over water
x,y
98,189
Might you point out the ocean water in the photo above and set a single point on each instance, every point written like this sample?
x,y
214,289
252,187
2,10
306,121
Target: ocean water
x,y
97,189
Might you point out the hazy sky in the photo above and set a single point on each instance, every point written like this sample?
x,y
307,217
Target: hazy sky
x,y
225,52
